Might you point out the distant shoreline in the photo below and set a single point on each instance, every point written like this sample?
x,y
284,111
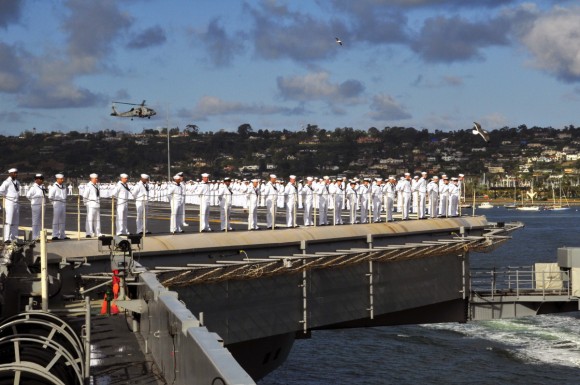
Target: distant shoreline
x,y
503,201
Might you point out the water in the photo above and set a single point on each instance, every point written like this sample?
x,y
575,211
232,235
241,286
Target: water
x,y
535,350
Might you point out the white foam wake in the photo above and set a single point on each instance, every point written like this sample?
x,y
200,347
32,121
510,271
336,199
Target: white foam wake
x,y
551,339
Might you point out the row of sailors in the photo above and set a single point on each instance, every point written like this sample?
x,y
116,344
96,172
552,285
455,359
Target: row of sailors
x,y
363,200
27,187
367,197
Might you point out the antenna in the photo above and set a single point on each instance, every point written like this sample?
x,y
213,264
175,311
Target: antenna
x,y
168,148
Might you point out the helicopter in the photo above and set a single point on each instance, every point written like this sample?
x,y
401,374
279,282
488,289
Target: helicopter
x,y
142,111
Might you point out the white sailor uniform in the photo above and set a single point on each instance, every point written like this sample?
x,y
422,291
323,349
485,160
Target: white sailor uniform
x,y
10,190
122,194
176,199
57,196
92,199
36,194
141,193
291,197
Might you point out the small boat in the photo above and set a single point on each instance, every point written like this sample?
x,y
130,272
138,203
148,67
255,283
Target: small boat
x,y
528,208
485,205
510,206
531,207
558,206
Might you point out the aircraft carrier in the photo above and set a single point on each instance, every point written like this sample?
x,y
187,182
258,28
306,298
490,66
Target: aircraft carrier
x,y
226,307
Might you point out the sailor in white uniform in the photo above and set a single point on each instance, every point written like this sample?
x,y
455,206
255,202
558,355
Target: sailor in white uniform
x,y
204,193
122,194
337,192
270,193
399,191
390,193
291,198
460,184
351,195
406,190
443,196
307,193
10,190
421,188
377,199
364,192
414,195
36,195
433,194
225,197
140,192
253,198
176,200
185,201
453,209
92,201
323,192
57,194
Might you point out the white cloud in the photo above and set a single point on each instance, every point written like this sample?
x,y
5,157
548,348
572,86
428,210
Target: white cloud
x,y
317,86
553,39
214,106
385,107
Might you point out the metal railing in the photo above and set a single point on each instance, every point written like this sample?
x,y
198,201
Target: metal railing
x,y
520,281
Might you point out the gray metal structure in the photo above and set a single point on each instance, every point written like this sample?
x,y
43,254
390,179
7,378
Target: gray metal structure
x,y
227,307
526,291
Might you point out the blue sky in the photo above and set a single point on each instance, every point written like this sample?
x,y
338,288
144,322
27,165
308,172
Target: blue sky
x,y
435,64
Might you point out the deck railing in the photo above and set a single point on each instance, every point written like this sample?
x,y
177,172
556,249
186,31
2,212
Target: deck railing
x,y
520,281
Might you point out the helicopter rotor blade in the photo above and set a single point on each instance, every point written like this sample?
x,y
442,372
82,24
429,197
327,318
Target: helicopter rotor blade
x,y
131,104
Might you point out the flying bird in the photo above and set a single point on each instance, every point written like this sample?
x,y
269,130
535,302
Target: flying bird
x,y
477,130
338,41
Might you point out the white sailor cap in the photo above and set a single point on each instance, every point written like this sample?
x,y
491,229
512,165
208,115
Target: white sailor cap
x,y
123,175
392,177
272,176
461,175
255,180
227,179
326,177
93,175
176,176
416,177
407,174
454,179
379,179
38,176
144,176
435,177
59,176
292,177
309,178
180,173
423,173
444,176
205,175
352,181
12,170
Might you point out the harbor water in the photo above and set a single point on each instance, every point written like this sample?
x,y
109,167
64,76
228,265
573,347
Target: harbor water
x,y
535,350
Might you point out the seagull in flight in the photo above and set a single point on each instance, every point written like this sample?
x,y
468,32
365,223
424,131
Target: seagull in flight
x,y
338,41
477,130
